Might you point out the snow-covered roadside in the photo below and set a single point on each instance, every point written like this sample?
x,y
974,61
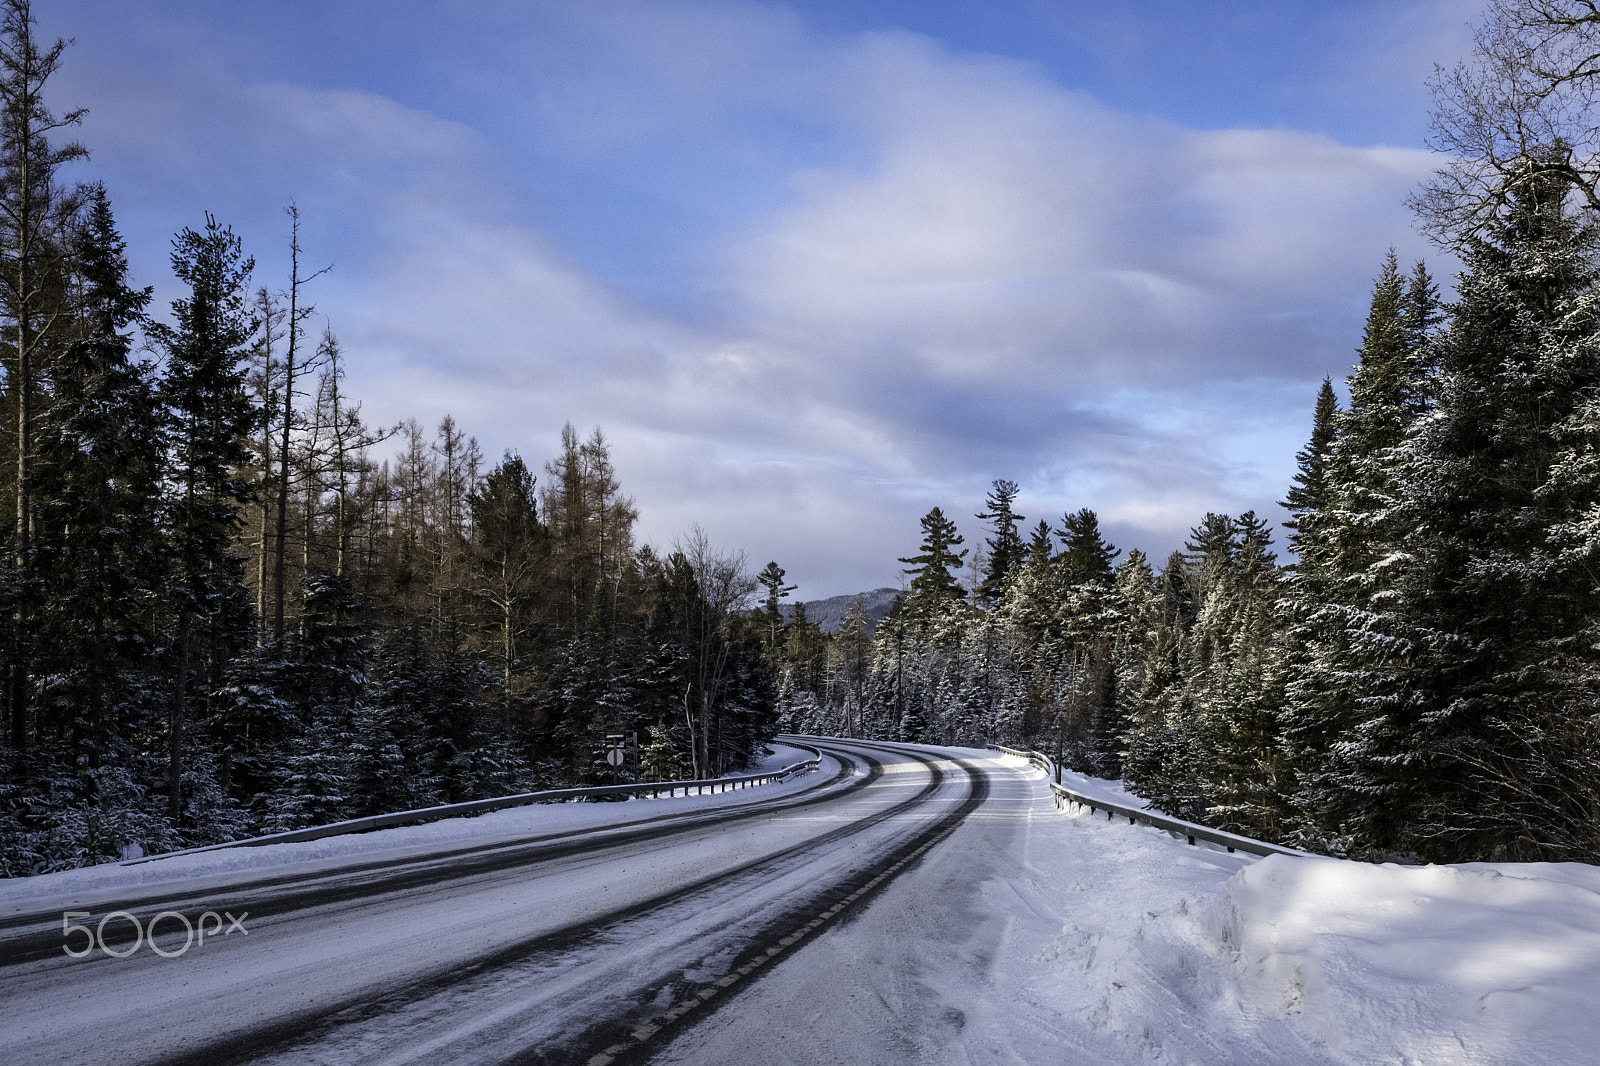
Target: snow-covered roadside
x,y
1166,953
214,867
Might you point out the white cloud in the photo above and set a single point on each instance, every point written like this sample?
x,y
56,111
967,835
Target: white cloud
x,y
961,271
1008,280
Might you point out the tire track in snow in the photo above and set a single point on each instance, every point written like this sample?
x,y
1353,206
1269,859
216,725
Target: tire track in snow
x,y
304,1029
367,882
638,1042
578,953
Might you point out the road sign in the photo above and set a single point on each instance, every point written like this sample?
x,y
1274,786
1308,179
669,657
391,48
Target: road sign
x,y
616,754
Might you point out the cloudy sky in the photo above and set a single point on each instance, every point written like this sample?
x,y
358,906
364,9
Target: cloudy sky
x,y
814,267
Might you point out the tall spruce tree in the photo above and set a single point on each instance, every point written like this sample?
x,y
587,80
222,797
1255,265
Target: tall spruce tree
x,y
209,417
1131,632
1348,536
1309,493
97,549
1165,758
1234,678
1311,620
1479,740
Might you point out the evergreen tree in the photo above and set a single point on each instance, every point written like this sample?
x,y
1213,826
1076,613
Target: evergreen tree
x,y
1130,633
1475,737
853,645
1032,603
771,579
1313,707
934,587
1006,551
1085,556
1347,537
1309,494
1165,759
1082,576
1041,548
96,542
208,419
1237,685
430,699
1422,312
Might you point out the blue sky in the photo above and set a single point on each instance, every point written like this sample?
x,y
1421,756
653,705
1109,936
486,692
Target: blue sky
x,y
814,267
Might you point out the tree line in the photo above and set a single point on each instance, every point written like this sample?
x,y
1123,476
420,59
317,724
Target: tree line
x,y
1422,678
229,605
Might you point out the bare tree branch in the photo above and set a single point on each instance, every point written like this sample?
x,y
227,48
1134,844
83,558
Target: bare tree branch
x,y
1519,114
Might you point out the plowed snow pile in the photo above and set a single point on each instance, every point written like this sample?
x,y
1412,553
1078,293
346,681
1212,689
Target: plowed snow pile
x,y
1314,960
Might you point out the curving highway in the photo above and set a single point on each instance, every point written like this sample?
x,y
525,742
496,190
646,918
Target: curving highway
x,y
650,937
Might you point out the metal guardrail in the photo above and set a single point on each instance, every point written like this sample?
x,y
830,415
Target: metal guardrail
x,y
483,806
1136,815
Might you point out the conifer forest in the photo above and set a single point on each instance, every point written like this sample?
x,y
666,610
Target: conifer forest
x,y
230,606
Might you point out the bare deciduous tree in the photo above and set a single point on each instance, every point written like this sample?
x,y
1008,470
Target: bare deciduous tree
x,y
1519,113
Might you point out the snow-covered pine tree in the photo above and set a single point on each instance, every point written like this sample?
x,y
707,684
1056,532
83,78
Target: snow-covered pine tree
x,y
208,416
1083,578
1031,602
1310,624
1348,540
328,677
1164,756
934,587
1006,551
1236,684
1479,738
1309,493
1133,618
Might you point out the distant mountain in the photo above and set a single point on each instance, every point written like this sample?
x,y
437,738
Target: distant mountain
x,y
829,613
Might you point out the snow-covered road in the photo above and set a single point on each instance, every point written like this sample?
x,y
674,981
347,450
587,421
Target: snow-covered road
x,y
902,905
595,943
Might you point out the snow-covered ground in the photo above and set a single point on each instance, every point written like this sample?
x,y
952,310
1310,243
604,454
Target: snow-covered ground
x,y
1039,936
1323,960
1030,935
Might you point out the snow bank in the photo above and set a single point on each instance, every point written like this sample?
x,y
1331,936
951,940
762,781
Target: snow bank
x,y
1167,953
196,871
1482,963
